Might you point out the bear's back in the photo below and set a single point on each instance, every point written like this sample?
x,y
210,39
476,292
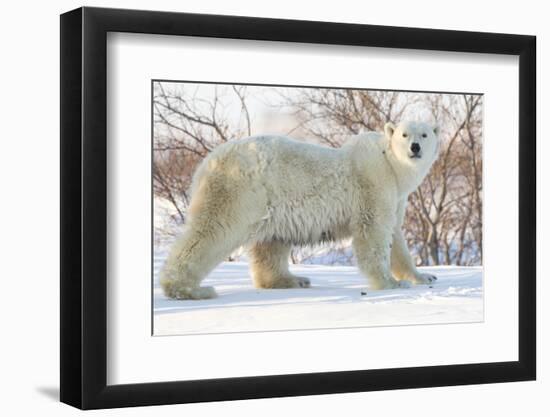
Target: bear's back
x,y
269,155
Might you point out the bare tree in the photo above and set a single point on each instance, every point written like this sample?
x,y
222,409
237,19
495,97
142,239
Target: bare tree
x,y
330,115
187,126
443,220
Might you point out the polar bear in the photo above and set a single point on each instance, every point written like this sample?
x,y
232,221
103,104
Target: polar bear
x,y
272,192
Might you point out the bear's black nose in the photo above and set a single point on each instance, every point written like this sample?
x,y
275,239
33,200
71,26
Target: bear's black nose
x,y
415,147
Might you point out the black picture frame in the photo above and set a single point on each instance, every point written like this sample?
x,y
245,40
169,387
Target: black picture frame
x,y
84,207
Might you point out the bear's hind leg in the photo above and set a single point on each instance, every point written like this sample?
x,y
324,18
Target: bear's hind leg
x,y
191,258
221,217
269,267
205,243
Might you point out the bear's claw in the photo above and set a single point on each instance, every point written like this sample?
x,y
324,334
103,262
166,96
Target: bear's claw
x,y
303,282
425,279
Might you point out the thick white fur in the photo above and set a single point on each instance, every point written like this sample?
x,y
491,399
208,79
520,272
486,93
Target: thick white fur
x,y
272,192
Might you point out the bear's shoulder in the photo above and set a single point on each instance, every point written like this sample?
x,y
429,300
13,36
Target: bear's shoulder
x,y
367,140
369,146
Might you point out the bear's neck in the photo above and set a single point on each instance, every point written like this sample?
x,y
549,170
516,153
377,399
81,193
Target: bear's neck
x,y
407,176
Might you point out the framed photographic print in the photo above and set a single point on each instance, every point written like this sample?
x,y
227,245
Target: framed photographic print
x,y
258,207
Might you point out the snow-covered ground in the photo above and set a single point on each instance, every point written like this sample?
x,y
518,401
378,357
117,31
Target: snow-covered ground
x,y
335,300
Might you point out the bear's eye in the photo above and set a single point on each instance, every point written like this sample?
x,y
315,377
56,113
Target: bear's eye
x,y
405,135
424,135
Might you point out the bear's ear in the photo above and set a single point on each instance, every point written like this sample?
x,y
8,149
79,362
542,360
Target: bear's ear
x,y
389,128
436,130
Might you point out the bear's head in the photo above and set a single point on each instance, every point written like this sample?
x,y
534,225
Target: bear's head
x,y
412,148
413,144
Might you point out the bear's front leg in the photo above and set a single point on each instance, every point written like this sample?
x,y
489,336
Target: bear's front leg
x,y
371,244
402,265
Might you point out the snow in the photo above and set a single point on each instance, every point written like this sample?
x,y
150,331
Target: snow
x,y
335,300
